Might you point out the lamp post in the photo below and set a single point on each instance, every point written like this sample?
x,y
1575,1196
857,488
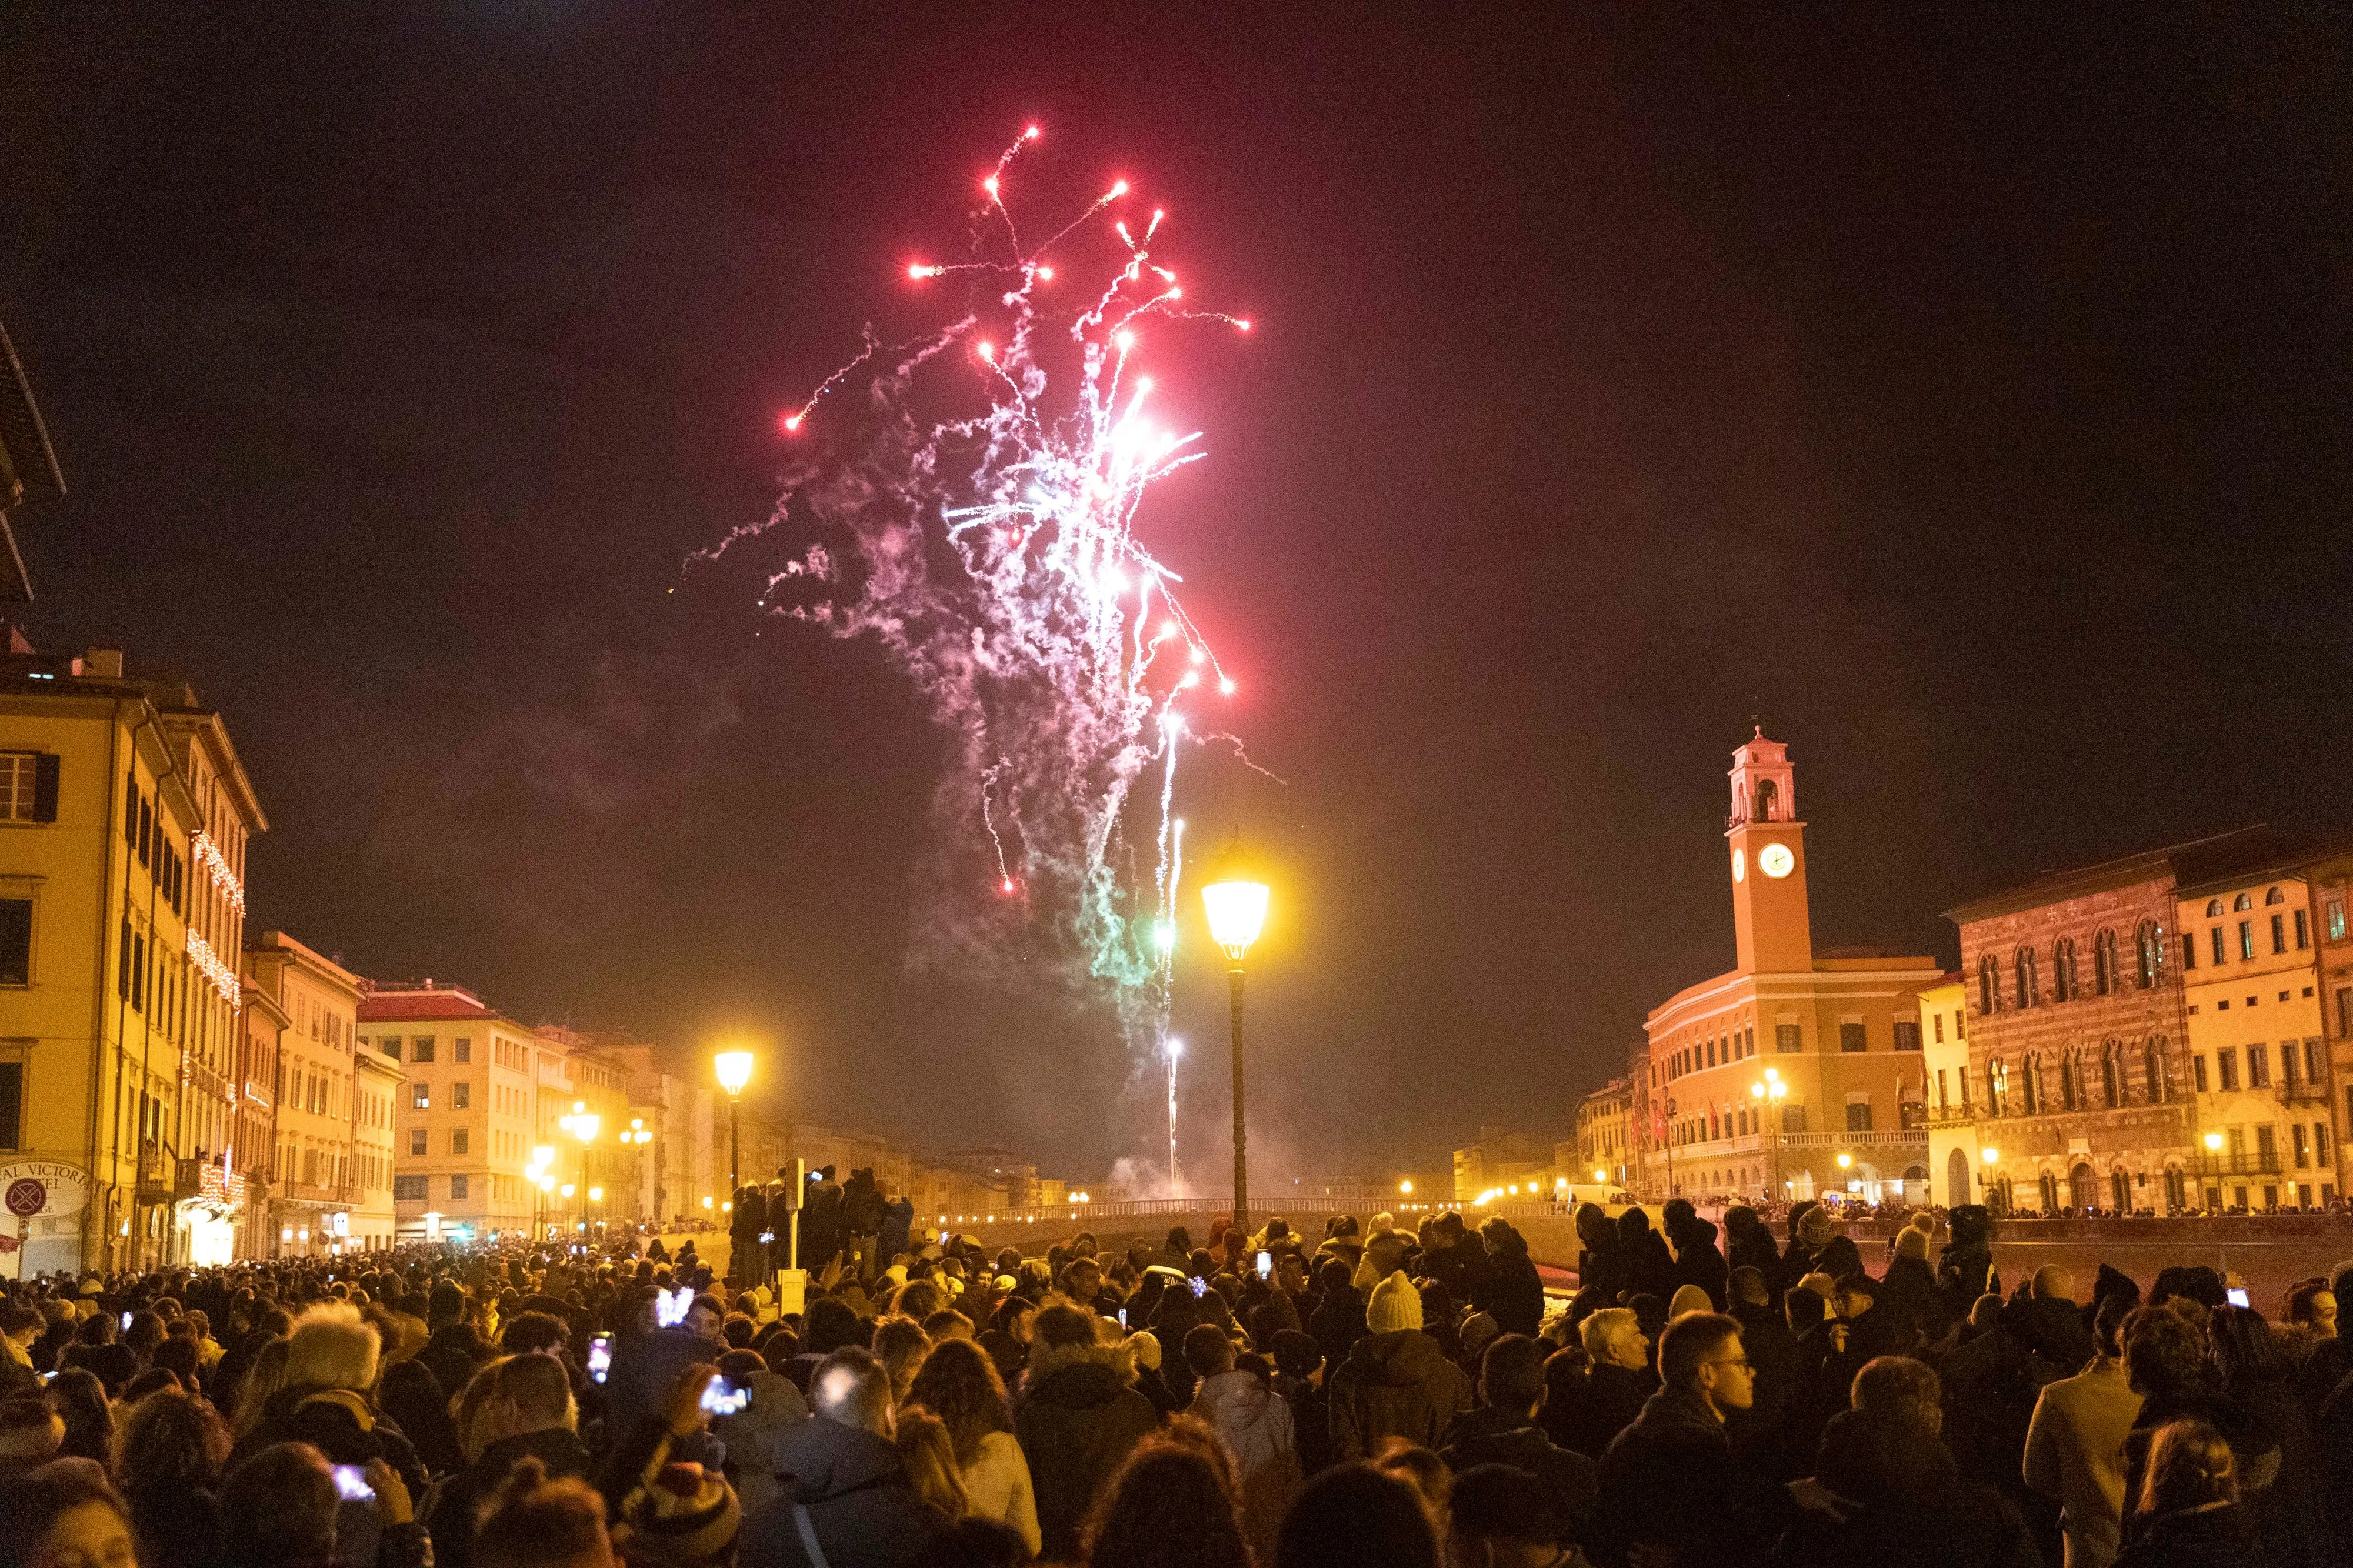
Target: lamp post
x,y
1769,1093
582,1124
735,1068
1237,910
1988,1158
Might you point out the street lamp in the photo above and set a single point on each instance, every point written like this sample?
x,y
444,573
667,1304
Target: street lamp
x,y
1770,1091
734,1069
583,1124
1237,910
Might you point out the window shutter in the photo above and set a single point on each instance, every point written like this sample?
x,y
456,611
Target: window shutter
x,y
44,787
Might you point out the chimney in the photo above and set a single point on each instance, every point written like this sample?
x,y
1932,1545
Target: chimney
x,y
105,663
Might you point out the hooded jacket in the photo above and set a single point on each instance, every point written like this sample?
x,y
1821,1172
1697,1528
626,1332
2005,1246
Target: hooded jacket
x,y
1397,1384
1511,1292
1077,1420
1697,1260
1256,1427
864,1511
754,1436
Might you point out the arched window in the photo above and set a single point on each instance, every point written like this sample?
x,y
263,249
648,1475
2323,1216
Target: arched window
x,y
2103,963
2148,952
2242,903
1989,985
2153,1069
1998,1086
2030,981
2120,1191
2031,1082
2062,970
2274,897
2111,1074
2049,1184
1768,796
2213,909
2071,1080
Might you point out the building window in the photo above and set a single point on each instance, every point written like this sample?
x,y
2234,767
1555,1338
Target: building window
x,y
1908,1034
2279,934
2221,953
461,1096
2198,1071
2112,1082
2302,930
2063,971
1793,1120
408,1189
457,1189
1937,1021
421,1049
458,1140
2320,1145
1998,1087
1944,1099
1786,1040
1989,985
2227,1060
2275,895
2302,1146
420,1097
2246,939
11,1105
1851,1037
2030,978
390,1046
2335,916
2103,963
2153,1069
2259,1066
1858,1116
2189,949
417,1140
2267,1148
28,786
465,1050
17,942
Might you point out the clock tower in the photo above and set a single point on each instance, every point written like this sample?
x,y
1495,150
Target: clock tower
x,y
1774,931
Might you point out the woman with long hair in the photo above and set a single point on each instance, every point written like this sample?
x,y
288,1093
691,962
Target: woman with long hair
x,y
80,1399
959,1384
264,1378
930,1460
1168,1506
2283,1497
2187,1513
66,1513
168,1453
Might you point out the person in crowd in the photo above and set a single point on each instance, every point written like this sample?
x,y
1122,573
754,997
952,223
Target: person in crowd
x,y
2252,1371
1499,1516
169,1449
847,1496
2186,1512
752,1435
284,1508
1299,1380
1338,1319
1772,1349
1586,1415
1671,1491
413,1398
1355,1516
930,1460
1698,1261
1504,1431
454,1348
81,1400
525,1411
31,1433
65,1515
1168,1505
1076,1419
1396,1381
2164,1360
536,1521
1650,1267
331,1370
2075,1445
900,1346
1510,1291
1748,1244
959,1385
1255,1426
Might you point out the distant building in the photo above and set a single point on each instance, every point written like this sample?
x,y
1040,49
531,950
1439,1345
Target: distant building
x,y
2327,877
124,812
1602,1153
470,1114
1953,1145
1501,1159
316,1179
1797,1072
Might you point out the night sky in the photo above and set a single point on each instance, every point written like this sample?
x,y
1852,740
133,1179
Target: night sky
x,y
1965,395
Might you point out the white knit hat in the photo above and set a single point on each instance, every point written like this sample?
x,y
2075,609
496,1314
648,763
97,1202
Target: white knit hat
x,y
1396,1304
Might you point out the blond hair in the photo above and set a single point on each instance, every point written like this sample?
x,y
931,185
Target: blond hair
x,y
332,1347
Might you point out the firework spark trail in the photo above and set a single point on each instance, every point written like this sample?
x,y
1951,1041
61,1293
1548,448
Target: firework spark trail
x,y
994,554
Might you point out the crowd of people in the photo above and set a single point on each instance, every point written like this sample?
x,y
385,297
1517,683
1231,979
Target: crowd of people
x,y
1381,1394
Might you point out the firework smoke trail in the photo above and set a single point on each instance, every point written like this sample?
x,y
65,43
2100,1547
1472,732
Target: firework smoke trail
x,y
995,555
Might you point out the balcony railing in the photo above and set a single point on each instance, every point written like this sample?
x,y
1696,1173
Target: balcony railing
x,y
1897,1138
2259,1163
2302,1091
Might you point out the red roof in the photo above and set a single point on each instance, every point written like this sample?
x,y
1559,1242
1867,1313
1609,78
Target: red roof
x,y
401,1007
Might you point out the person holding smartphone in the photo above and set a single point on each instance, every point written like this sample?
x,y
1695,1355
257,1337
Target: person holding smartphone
x,y
529,1414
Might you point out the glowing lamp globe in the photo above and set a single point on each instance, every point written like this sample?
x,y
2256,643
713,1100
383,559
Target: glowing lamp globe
x,y
734,1070
2215,1141
1236,911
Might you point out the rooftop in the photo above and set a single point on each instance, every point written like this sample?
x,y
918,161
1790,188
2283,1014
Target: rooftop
x,y
2218,859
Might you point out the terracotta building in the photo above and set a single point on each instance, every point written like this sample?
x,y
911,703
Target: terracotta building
x,y
1798,1072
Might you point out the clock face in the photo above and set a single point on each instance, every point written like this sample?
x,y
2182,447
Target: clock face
x,y
1739,864
1775,860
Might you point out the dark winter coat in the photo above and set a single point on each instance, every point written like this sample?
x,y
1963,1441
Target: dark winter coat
x,y
2204,1537
453,1355
864,1511
1697,1260
1462,1267
1670,1479
1508,1437
460,1502
337,1423
1510,1292
1648,1266
1914,1510
1590,1413
1338,1323
1077,1419
898,1223
1397,1384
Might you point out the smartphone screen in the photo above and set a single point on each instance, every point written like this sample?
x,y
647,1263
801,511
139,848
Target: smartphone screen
x,y
722,1399
600,1357
2238,1298
1265,1264
126,1322
1123,1317
350,1484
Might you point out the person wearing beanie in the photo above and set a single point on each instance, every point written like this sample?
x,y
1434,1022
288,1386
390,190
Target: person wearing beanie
x,y
1396,1381
683,1515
